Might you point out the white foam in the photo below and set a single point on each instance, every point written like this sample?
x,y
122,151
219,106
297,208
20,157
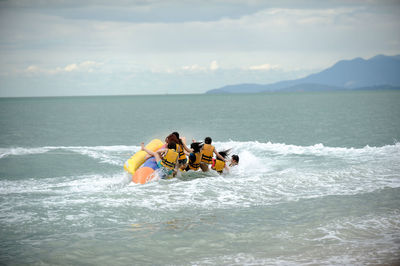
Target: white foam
x,y
362,240
253,147
65,184
317,149
105,154
268,173
4,152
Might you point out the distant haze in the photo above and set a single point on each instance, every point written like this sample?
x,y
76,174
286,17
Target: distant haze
x,y
54,48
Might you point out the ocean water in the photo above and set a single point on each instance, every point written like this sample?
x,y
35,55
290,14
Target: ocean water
x,y
318,181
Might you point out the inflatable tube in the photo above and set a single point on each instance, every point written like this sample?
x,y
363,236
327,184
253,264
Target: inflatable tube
x,y
146,172
133,163
151,162
143,175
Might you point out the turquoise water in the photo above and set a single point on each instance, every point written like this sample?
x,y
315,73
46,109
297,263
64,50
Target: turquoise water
x,y
318,181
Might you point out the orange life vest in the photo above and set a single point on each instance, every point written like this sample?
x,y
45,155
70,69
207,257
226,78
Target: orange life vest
x,y
196,164
182,155
207,153
169,160
218,166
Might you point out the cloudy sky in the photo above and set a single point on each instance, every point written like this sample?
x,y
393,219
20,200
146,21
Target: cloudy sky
x,y
88,47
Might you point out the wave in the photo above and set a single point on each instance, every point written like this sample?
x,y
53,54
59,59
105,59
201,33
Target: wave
x,y
106,154
268,173
317,149
255,157
255,146
362,235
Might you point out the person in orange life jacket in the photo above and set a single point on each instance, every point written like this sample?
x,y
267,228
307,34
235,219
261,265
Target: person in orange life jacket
x,y
172,138
182,149
220,165
168,139
166,158
194,156
207,154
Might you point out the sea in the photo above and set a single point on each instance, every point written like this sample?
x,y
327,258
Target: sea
x,y
318,181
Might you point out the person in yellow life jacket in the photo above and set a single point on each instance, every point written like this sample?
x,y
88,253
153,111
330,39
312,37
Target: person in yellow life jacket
x,y
166,158
220,165
168,139
207,154
182,149
194,156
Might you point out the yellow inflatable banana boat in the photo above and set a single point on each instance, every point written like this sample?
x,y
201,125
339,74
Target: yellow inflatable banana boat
x,y
143,174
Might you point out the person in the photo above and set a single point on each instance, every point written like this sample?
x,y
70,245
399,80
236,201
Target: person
x,y
182,150
234,160
207,154
220,165
166,158
168,139
194,156
172,138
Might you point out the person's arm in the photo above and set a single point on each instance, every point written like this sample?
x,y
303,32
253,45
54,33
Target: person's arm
x,y
152,153
161,151
186,148
143,148
218,155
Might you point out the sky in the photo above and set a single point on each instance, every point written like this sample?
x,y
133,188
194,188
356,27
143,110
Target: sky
x,y
121,47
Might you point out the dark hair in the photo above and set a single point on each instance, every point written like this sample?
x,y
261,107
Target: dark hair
x,y
235,157
207,140
224,153
196,146
171,138
172,145
177,136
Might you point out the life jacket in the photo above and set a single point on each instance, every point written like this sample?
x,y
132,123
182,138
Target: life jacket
x,y
169,160
207,153
182,155
218,165
196,164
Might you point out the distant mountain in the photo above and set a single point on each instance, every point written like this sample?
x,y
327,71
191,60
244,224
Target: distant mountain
x,y
375,73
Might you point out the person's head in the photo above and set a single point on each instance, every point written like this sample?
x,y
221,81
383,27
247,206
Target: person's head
x,y
207,140
235,159
172,145
177,136
171,138
196,146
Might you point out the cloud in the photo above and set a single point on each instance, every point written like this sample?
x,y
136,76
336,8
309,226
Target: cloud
x,y
198,68
140,11
32,69
268,31
67,39
264,67
193,68
86,66
214,65
70,67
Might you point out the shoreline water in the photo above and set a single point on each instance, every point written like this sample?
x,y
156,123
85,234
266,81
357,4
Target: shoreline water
x,y
372,89
318,182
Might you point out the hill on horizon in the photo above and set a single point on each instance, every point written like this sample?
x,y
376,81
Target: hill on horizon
x,y
375,73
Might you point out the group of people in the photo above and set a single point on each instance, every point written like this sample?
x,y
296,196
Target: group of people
x,y
176,155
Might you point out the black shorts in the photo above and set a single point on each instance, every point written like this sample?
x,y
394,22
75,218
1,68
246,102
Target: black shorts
x,y
183,161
